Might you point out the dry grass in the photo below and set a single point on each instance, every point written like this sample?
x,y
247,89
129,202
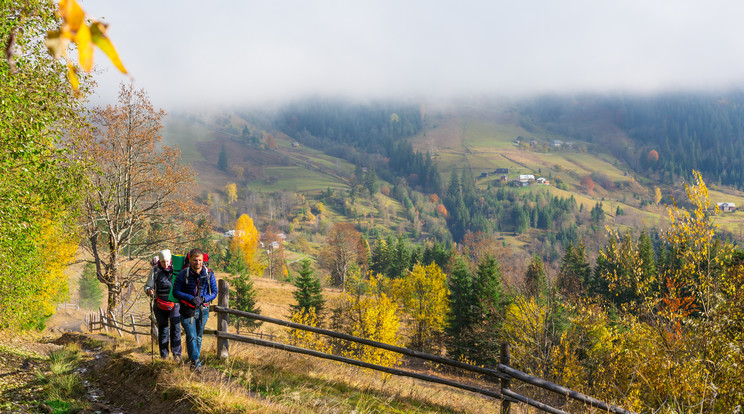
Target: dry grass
x,y
264,380
276,381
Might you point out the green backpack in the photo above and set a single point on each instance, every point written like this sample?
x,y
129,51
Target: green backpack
x,y
179,262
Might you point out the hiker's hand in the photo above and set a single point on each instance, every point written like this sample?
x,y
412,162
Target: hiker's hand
x,y
197,301
150,292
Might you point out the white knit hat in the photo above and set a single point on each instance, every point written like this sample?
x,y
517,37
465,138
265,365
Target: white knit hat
x,y
165,256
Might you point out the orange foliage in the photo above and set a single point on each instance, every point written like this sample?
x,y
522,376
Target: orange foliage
x,y
653,156
442,211
588,183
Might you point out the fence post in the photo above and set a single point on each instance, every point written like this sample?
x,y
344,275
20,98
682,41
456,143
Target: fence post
x,y
223,300
505,360
116,324
102,318
134,329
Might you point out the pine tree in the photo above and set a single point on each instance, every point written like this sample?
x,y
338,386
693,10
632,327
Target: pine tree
x,y
309,293
245,300
575,272
461,315
534,279
646,253
380,260
222,162
90,288
490,310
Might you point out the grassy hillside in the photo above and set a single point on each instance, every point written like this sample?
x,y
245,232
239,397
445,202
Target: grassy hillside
x,y
481,137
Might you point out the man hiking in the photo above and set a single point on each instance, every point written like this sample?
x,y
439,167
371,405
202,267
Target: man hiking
x,y
195,287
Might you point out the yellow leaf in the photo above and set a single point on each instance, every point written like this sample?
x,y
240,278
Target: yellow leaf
x,y
72,14
85,48
74,81
98,34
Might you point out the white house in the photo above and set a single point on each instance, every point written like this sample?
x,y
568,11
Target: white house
x,y
726,207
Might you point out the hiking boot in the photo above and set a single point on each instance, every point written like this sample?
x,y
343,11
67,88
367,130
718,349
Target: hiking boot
x,y
177,359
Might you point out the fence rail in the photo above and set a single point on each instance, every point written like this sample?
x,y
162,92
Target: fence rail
x,y
67,305
105,321
503,372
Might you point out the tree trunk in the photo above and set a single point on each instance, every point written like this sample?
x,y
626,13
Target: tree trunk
x,y
114,294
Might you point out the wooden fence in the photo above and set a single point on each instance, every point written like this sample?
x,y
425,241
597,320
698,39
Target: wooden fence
x,y
503,371
66,305
133,327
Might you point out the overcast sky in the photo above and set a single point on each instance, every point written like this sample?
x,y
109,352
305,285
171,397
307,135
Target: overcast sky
x,y
252,52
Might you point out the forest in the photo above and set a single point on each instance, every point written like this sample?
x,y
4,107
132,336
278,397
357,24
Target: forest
x,y
686,131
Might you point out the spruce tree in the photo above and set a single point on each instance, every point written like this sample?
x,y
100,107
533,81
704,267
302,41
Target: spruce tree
x,y
490,310
575,272
534,279
380,260
222,162
91,292
309,293
245,300
461,313
646,253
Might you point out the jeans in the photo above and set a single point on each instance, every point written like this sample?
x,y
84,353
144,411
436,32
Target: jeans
x,y
194,329
164,317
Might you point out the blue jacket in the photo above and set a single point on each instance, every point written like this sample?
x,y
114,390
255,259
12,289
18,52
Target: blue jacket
x,y
185,290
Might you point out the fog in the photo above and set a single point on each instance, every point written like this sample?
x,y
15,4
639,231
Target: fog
x,y
227,53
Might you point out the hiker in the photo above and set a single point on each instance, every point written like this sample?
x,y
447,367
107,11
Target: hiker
x,y
166,312
195,287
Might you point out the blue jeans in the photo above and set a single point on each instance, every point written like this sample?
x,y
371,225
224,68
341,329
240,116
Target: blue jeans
x,y
164,317
194,329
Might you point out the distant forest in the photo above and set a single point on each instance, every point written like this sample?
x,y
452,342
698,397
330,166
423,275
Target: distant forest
x,y
703,132
374,136
369,136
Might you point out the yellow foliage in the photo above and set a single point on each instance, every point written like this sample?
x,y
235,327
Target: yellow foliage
x,y
372,316
246,241
692,236
657,195
232,193
306,339
425,298
29,297
527,330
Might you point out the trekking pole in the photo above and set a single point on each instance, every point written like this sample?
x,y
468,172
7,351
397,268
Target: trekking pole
x,y
152,326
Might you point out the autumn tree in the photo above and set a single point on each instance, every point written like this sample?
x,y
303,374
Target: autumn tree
x,y
588,184
343,250
136,203
270,141
367,310
232,193
657,195
424,294
245,242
